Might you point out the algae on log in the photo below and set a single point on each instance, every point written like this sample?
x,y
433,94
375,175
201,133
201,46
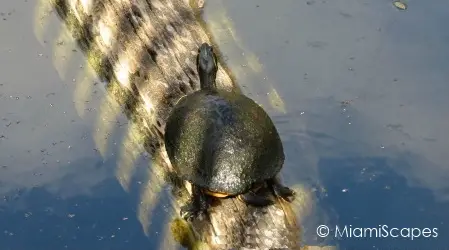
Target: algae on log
x,y
148,48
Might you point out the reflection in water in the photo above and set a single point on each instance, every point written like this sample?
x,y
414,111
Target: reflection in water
x,y
120,146
365,185
351,156
356,134
357,183
366,192
42,10
393,65
109,110
39,219
245,65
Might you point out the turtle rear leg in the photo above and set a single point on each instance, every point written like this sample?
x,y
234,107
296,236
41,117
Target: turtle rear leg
x,y
281,191
196,206
255,198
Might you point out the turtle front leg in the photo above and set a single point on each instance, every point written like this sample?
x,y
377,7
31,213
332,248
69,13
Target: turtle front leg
x,y
196,206
281,191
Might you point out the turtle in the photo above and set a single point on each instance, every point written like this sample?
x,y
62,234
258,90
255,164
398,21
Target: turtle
x,y
224,144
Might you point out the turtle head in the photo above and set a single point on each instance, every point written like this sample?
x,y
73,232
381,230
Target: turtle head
x,y
206,64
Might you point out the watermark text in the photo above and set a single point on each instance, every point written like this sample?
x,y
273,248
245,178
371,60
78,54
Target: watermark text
x,y
381,231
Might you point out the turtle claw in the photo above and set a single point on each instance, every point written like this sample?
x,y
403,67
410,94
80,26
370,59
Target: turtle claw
x,y
196,207
284,192
190,211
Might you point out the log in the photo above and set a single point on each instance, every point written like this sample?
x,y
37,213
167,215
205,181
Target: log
x,y
145,50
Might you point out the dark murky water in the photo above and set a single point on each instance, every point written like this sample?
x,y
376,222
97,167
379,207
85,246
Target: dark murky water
x,y
357,89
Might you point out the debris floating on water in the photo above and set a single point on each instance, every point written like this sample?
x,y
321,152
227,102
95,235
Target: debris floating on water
x,y
400,5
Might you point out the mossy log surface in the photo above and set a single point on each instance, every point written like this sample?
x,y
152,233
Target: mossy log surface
x,y
148,48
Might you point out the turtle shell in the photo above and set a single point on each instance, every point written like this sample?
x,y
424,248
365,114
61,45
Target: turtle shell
x,y
223,142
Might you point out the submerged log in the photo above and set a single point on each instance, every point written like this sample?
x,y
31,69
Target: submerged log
x,y
148,48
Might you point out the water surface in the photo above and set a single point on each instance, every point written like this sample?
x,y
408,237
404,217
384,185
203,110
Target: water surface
x,y
364,89
356,88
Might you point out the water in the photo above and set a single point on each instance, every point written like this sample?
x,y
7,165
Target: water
x,y
364,89
57,182
356,88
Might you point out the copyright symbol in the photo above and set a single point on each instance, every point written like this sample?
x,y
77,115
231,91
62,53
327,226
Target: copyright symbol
x,y
322,231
